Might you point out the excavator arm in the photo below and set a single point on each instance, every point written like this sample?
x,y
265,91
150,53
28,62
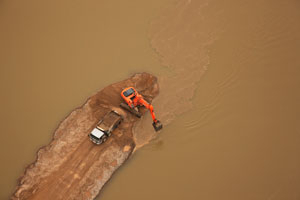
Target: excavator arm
x,y
149,107
156,123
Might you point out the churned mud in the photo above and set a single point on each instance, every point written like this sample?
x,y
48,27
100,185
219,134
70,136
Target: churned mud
x,y
71,166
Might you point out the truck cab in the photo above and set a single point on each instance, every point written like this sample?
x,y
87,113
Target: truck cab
x,y
97,136
105,127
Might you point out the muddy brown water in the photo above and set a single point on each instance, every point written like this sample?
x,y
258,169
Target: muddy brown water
x,y
229,75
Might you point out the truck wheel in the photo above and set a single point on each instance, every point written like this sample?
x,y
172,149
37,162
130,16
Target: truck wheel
x,y
102,140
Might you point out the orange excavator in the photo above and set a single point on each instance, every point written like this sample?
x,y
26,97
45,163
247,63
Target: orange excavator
x,y
134,100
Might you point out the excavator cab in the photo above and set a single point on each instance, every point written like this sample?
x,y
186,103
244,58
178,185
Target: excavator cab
x,y
129,92
133,99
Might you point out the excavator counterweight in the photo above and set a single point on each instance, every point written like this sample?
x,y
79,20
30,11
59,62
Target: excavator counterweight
x,y
134,100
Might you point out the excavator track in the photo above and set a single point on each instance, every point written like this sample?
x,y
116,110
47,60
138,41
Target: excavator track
x,y
133,111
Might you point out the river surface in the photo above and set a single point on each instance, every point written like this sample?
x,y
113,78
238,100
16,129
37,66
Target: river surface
x,y
229,75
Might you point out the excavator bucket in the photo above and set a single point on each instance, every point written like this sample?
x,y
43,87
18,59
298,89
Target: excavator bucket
x,y
157,125
133,111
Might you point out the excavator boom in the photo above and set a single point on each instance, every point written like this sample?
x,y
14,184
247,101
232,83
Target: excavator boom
x,y
149,107
156,123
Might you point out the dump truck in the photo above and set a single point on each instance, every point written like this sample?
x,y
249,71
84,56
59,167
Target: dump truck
x,y
105,127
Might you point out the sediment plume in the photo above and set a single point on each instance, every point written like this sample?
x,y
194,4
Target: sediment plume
x,y
181,37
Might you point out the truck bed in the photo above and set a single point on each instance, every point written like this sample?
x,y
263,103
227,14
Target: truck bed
x,y
109,120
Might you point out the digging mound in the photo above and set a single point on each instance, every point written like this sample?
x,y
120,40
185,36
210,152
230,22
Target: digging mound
x,y
71,166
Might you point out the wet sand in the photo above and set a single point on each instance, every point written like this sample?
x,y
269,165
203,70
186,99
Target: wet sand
x,y
71,166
